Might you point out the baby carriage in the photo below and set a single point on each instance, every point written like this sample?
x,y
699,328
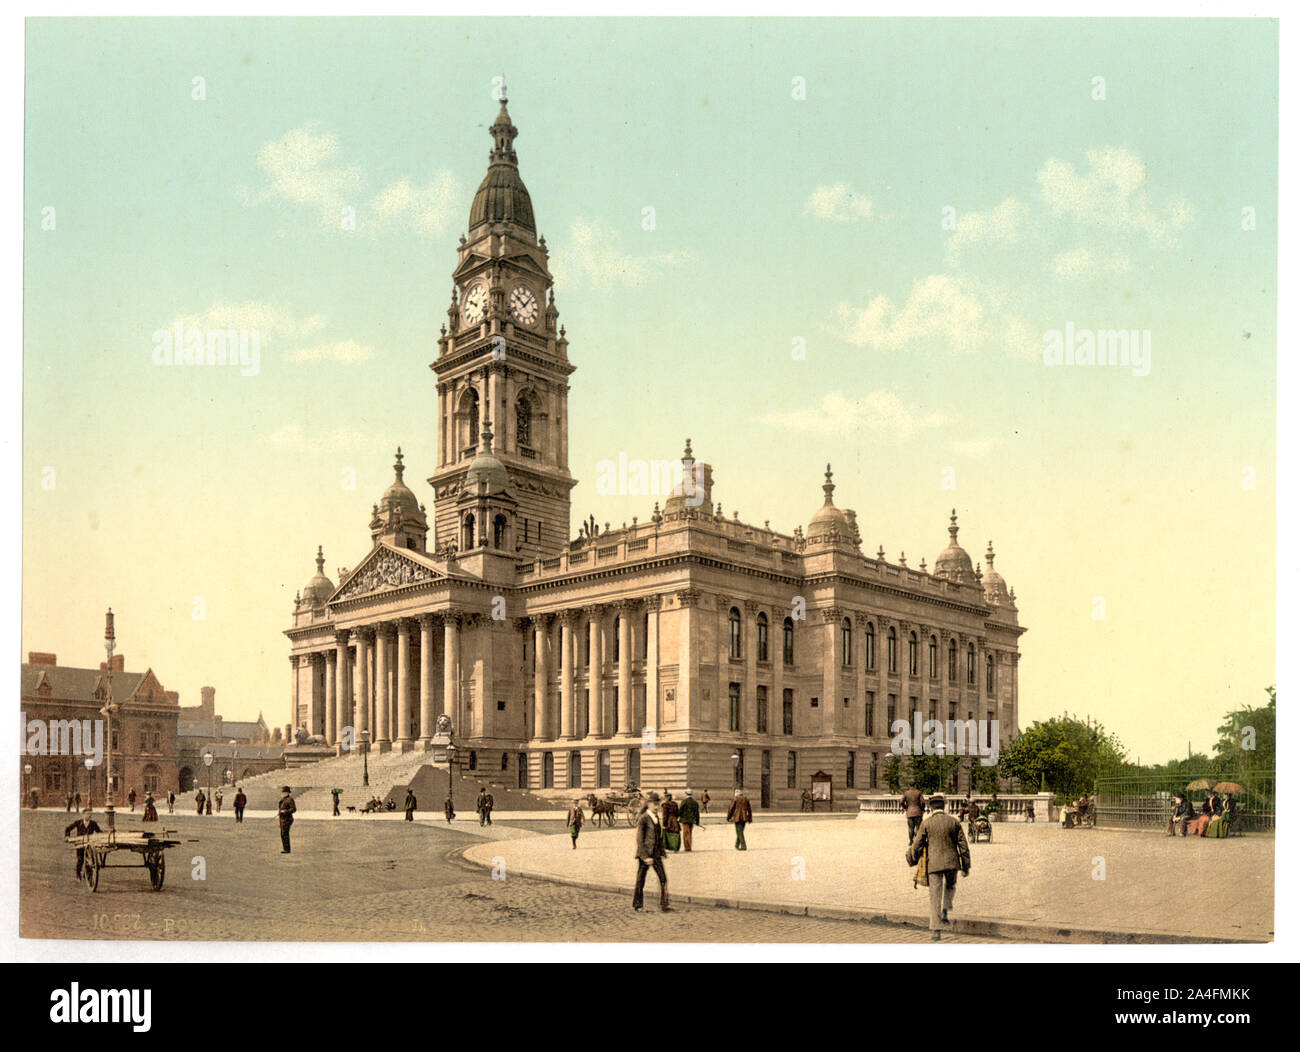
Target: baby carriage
x,y
980,829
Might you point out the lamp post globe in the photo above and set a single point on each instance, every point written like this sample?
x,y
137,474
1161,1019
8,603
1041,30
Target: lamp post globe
x,y
27,773
735,770
207,762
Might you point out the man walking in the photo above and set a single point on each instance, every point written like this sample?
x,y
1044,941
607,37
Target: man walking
x,y
946,852
76,801
689,816
199,800
704,803
650,852
241,801
672,823
68,809
739,814
914,808
484,806
171,802
286,810
336,794
130,798
409,806
574,822
448,809
217,794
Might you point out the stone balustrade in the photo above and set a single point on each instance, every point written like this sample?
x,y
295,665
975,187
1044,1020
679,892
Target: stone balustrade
x,y
1014,805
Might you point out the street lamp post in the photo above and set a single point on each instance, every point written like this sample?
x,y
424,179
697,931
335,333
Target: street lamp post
x,y
451,775
735,770
90,782
365,758
207,762
108,711
27,795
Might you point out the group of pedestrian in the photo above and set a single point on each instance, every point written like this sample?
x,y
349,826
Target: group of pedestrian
x,y
483,805
1217,814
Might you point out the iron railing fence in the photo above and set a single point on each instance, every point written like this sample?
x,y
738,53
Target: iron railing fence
x,y
1136,799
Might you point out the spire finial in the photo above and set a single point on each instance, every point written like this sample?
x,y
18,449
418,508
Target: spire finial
x,y
988,555
487,435
686,453
320,559
397,465
828,487
952,527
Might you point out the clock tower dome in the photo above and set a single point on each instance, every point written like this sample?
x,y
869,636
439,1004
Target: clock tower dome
x,y
503,366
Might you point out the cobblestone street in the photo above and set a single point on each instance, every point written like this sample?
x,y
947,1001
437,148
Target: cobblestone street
x,y
365,880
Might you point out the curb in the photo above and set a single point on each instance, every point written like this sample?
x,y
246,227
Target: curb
x,y
1012,930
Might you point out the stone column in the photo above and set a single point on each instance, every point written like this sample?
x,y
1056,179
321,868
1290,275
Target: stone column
x,y
923,673
606,689
343,693
451,668
595,682
541,722
293,687
427,716
652,663
831,705
625,706
776,700
566,674
749,689
383,730
860,668
688,680
403,735
361,718
331,693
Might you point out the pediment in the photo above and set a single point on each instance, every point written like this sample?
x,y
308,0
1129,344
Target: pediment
x,y
384,569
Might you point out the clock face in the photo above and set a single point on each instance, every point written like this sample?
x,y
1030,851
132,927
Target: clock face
x,y
523,305
475,305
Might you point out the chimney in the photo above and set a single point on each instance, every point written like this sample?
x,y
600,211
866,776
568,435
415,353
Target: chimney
x,y
209,701
119,664
36,657
216,726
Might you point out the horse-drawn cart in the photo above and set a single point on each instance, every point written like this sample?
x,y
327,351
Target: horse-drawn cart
x,y
627,802
97,848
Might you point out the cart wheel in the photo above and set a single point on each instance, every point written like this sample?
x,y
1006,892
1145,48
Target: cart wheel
x,y
157,870
90,870
632,815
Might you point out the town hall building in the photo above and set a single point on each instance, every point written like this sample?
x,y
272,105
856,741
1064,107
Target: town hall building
x,y
686,649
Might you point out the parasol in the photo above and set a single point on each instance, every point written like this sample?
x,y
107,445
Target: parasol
x,y
1201,783
1229,787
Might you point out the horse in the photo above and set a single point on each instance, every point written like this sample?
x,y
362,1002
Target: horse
x,y
600,808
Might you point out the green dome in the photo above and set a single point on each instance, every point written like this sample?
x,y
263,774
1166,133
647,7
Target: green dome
x,y
486,468
501,196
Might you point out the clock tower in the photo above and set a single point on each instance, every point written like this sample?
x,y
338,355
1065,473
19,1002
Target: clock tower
x,y
503,369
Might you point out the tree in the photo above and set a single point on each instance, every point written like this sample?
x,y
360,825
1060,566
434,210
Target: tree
x,y
1247,743
988,779
893,773
1066,754
931,773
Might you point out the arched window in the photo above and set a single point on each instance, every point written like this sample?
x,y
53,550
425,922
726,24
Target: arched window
x,y
787,641
523,421
970,663
846,642
761,626
934,658
468,421
870,655
911,654
891,646
988,673
952,660
467,532
733,621
499,532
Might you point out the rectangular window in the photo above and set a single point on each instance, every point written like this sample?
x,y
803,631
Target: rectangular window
x,y
875,770
791,770
952,711
814,702
733,709
762,710
868,723
787,711
634,766
615,709
586,711
548,771
892,713
850,771
501,705
603,769
988,674
523,770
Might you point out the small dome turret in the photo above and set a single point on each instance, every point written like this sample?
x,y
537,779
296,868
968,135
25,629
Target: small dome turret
x,y
995,588
486,468
829,522
320,587
953,562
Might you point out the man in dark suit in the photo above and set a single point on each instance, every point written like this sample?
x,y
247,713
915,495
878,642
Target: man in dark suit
x,y
914,808
409,806
740,814
81,827
1182,814
650,852
241,801
946,853
286,809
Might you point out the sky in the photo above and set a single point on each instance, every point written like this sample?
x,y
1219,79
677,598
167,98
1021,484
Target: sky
x,y
796,242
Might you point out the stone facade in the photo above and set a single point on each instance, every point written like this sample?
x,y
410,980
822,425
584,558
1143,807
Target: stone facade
x,y
684,650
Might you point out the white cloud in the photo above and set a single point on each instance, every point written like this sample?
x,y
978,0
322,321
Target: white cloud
x,y
1080,263
1000,225
1111,195
304,169
346,351
881,413
838,203
295,438
594,256
939,308
430,209
301,169
296,338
